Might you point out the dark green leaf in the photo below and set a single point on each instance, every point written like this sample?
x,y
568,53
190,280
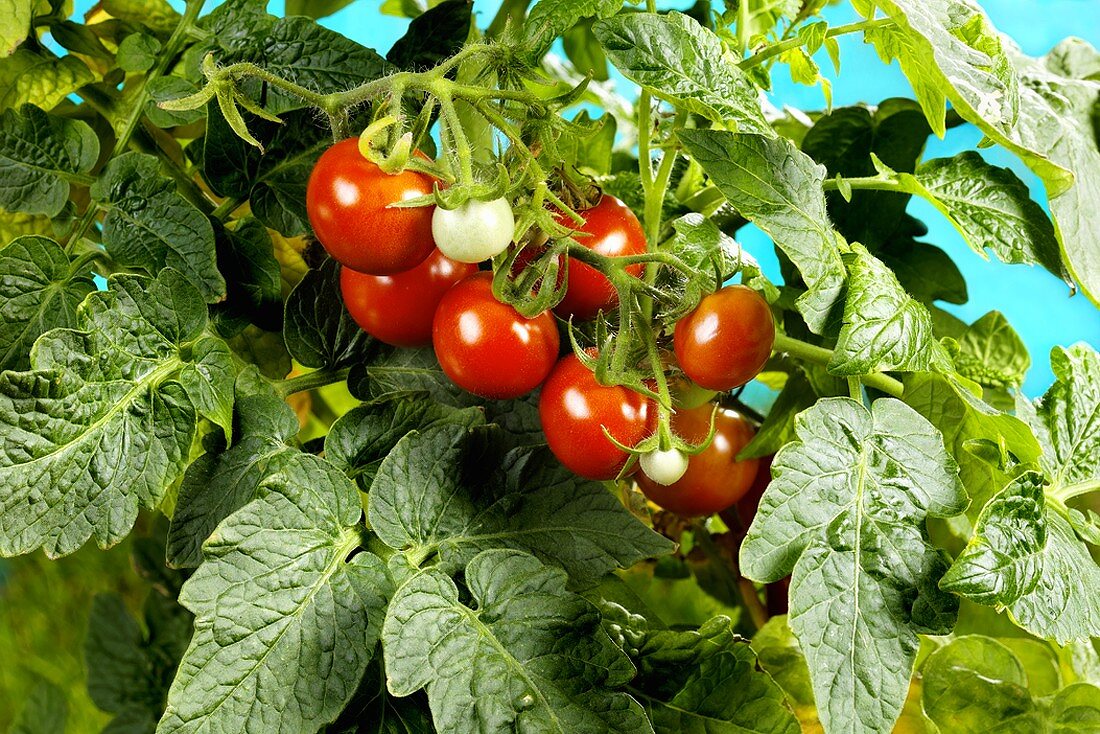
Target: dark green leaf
x,y
39,155
138,52
925,271
778,188
442,491
164,88
433,36
100,426
845,511
315,8
253,278
295,48
363,437
317,329
682,62
218,483
884,329
284,613
778,427
45,710
402,372
208,378
149,225
37,293
527,655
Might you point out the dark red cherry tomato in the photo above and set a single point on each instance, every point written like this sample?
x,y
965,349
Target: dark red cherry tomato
x,y
488,347
726,340
714,479
348,200
611,229
398,309
574,410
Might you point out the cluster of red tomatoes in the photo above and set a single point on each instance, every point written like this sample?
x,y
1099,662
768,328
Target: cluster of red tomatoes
x,y
410,277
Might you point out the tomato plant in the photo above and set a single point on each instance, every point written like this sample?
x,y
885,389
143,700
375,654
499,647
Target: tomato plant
x,y
487,347
714,479
358,355
398,309
583,420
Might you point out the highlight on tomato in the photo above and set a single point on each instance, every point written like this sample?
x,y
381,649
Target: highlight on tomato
x,y
575,409
349,200
610,229
726,340
398,309
715,479
489,348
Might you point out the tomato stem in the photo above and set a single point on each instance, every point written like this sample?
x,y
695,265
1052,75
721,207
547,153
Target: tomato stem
x,y
784,46
820,355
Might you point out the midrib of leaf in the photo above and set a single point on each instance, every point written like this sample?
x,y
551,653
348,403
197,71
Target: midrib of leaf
x,y
786,199
151,379
349,540
858,565
512,662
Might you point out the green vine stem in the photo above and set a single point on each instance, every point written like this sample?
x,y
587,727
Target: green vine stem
x,y
787,45
820,355
310,381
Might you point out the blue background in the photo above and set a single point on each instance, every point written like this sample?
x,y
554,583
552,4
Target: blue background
x,y
1036,303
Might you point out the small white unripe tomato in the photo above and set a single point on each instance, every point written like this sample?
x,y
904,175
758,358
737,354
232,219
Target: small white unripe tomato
x,y
475,231
664,467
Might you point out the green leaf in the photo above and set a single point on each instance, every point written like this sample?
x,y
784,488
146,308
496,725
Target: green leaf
x,y
156,14
45,711
443,491
43,81
284,614
149,225
375,711
991,208
208,379
778,427
130,669
954,406
315,8
583,50
246,258
706,681
991,353
844,140
100,426
317,328
402,372
274,182
15,24
682,62
884,329
164,88
37,293
433,36
845,511
977,684
778,654
770,183
39,156
925,271
549,19
296,49
1067,419
220,482
363,437
526,654
138,52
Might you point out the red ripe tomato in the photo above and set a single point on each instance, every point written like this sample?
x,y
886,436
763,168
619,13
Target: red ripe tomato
x,y
348,200
726,340
488,347
574,410
398,309
714,479
611,229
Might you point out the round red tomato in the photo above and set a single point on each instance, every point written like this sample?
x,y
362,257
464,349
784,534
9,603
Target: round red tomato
x,y
726,340
348,200
398,309
574,410
714,479
488,347
610,229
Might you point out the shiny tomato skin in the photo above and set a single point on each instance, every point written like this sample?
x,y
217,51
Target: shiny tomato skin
x,y
726,340
348,201
487,347
574,409
398,309
611,229
714,479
